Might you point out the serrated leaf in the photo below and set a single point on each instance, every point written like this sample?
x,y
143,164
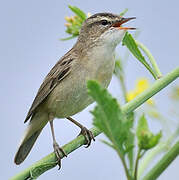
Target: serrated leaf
x,y
78,12
108,117
146,139
129,41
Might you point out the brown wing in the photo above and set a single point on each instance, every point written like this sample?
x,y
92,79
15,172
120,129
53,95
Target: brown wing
x,y
61,69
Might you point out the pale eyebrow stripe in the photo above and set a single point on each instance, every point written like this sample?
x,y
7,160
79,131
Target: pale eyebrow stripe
x,y
108,15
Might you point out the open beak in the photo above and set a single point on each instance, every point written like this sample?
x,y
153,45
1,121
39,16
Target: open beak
x,y
122,21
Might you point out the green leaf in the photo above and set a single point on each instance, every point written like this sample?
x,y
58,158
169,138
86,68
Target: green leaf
x,y
142,125
123,12
108,143
154,140
146,139
118,66
74,23
68,38
78,12
109,118
129,41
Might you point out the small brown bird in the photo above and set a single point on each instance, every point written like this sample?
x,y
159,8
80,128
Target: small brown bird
x,y
63,92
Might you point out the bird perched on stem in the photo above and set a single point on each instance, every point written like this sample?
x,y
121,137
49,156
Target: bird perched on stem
x,y
63,92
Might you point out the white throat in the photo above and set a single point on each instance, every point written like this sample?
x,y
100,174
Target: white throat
x,y
111,38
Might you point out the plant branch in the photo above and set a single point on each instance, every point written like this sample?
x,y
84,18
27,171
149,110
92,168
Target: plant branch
x,y
49,161
163,163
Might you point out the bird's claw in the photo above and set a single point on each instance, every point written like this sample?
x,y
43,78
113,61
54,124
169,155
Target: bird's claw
x,y
58,151
88,136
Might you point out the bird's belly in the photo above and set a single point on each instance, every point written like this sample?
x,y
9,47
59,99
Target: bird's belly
x,y
71,96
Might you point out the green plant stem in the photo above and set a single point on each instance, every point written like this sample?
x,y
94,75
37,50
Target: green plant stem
x,y
163,163
136,164
120,77
51,158
123,87
123,162
125,167
151,58
149,157
79,141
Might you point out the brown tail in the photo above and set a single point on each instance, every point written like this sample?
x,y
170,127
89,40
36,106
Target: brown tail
x,y
25,148
34,128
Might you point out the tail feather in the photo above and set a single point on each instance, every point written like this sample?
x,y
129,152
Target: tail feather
x,y
34,129
25,148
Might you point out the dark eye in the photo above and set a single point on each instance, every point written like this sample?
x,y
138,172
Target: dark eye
x,y
104,22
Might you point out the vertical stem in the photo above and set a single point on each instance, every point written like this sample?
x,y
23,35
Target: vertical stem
x,y
120,77
136,164
125,165
123,87
119,72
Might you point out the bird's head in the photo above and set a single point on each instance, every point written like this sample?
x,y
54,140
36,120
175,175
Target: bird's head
x,y
104,28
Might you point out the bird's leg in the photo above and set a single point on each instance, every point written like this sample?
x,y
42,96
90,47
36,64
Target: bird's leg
x,y
58,151
84,131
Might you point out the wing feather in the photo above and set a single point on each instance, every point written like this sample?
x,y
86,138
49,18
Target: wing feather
x,y
61,69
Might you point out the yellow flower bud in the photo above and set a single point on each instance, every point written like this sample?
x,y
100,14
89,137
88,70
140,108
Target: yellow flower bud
x,y
67,18
67,25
